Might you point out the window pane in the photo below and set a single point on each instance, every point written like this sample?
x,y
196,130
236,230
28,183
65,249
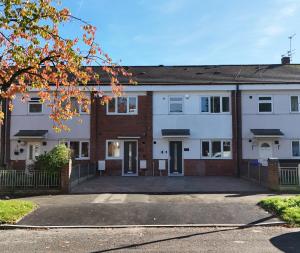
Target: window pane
x,y
226,149
113,149
215,104
204,104
74,105
74,146
84,149
112,105
205,149
265,107
176,104
295,148
84,106
225,104
175,107
216,149
265,98
132,104
294,104
35,107
122,105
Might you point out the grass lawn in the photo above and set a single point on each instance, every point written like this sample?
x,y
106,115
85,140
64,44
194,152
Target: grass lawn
x,y
287,208
12,210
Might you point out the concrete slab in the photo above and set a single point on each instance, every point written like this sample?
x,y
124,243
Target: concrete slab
x,y
168,185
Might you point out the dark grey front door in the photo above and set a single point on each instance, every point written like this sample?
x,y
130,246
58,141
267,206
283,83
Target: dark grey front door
x,y
175,157
130,158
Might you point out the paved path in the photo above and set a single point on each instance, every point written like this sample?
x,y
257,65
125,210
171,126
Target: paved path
x,y
141,209
267,239
167,185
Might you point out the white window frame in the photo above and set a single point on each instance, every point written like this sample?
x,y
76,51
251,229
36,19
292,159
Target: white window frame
x,y
34,102
80,147
80,107
263,102
175,96
210,149
292,148
291,103
116,106
209,104
106,150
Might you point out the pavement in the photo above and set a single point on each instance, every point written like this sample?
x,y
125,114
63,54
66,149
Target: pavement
x,y
144,209
258,239
185,184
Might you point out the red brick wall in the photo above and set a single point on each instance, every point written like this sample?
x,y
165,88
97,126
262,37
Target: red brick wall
x,y
105,127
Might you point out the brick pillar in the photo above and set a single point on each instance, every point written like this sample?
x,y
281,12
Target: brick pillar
x,y
65,177
273,174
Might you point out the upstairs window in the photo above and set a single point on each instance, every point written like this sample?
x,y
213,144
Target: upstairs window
x,y
175,104
295,104
35,106
75,106
265,104
122,105
215,104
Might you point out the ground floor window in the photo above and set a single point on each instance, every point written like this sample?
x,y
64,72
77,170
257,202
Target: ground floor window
x,y
216,149
113,149
80,149
296,148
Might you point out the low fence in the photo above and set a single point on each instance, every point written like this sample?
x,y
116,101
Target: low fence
x,y
289,175
256,172
21,179
81,173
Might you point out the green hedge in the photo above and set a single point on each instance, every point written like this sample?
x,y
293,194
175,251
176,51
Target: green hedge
x,y
54,160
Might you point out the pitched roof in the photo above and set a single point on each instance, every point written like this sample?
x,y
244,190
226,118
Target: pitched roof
x,y
211,74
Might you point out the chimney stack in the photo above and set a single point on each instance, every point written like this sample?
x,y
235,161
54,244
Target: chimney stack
x,y
285,60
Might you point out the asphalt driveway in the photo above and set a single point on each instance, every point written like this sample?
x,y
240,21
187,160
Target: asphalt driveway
x,y
142,209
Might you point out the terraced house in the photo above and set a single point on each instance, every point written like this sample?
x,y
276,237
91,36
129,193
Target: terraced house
x,y
178,120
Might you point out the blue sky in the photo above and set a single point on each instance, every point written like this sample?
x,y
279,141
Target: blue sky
x,y
192,32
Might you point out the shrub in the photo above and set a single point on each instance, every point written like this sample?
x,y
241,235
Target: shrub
x,y
54,160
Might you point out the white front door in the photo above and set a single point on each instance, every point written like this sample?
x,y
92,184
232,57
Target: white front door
x,y
265,152
33,151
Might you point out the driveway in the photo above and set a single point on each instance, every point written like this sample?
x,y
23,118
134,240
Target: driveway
x,y
168,185
143,209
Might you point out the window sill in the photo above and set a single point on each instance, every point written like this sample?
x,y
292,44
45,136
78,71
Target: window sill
x,y
113,158
214,158
122,114
80,159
